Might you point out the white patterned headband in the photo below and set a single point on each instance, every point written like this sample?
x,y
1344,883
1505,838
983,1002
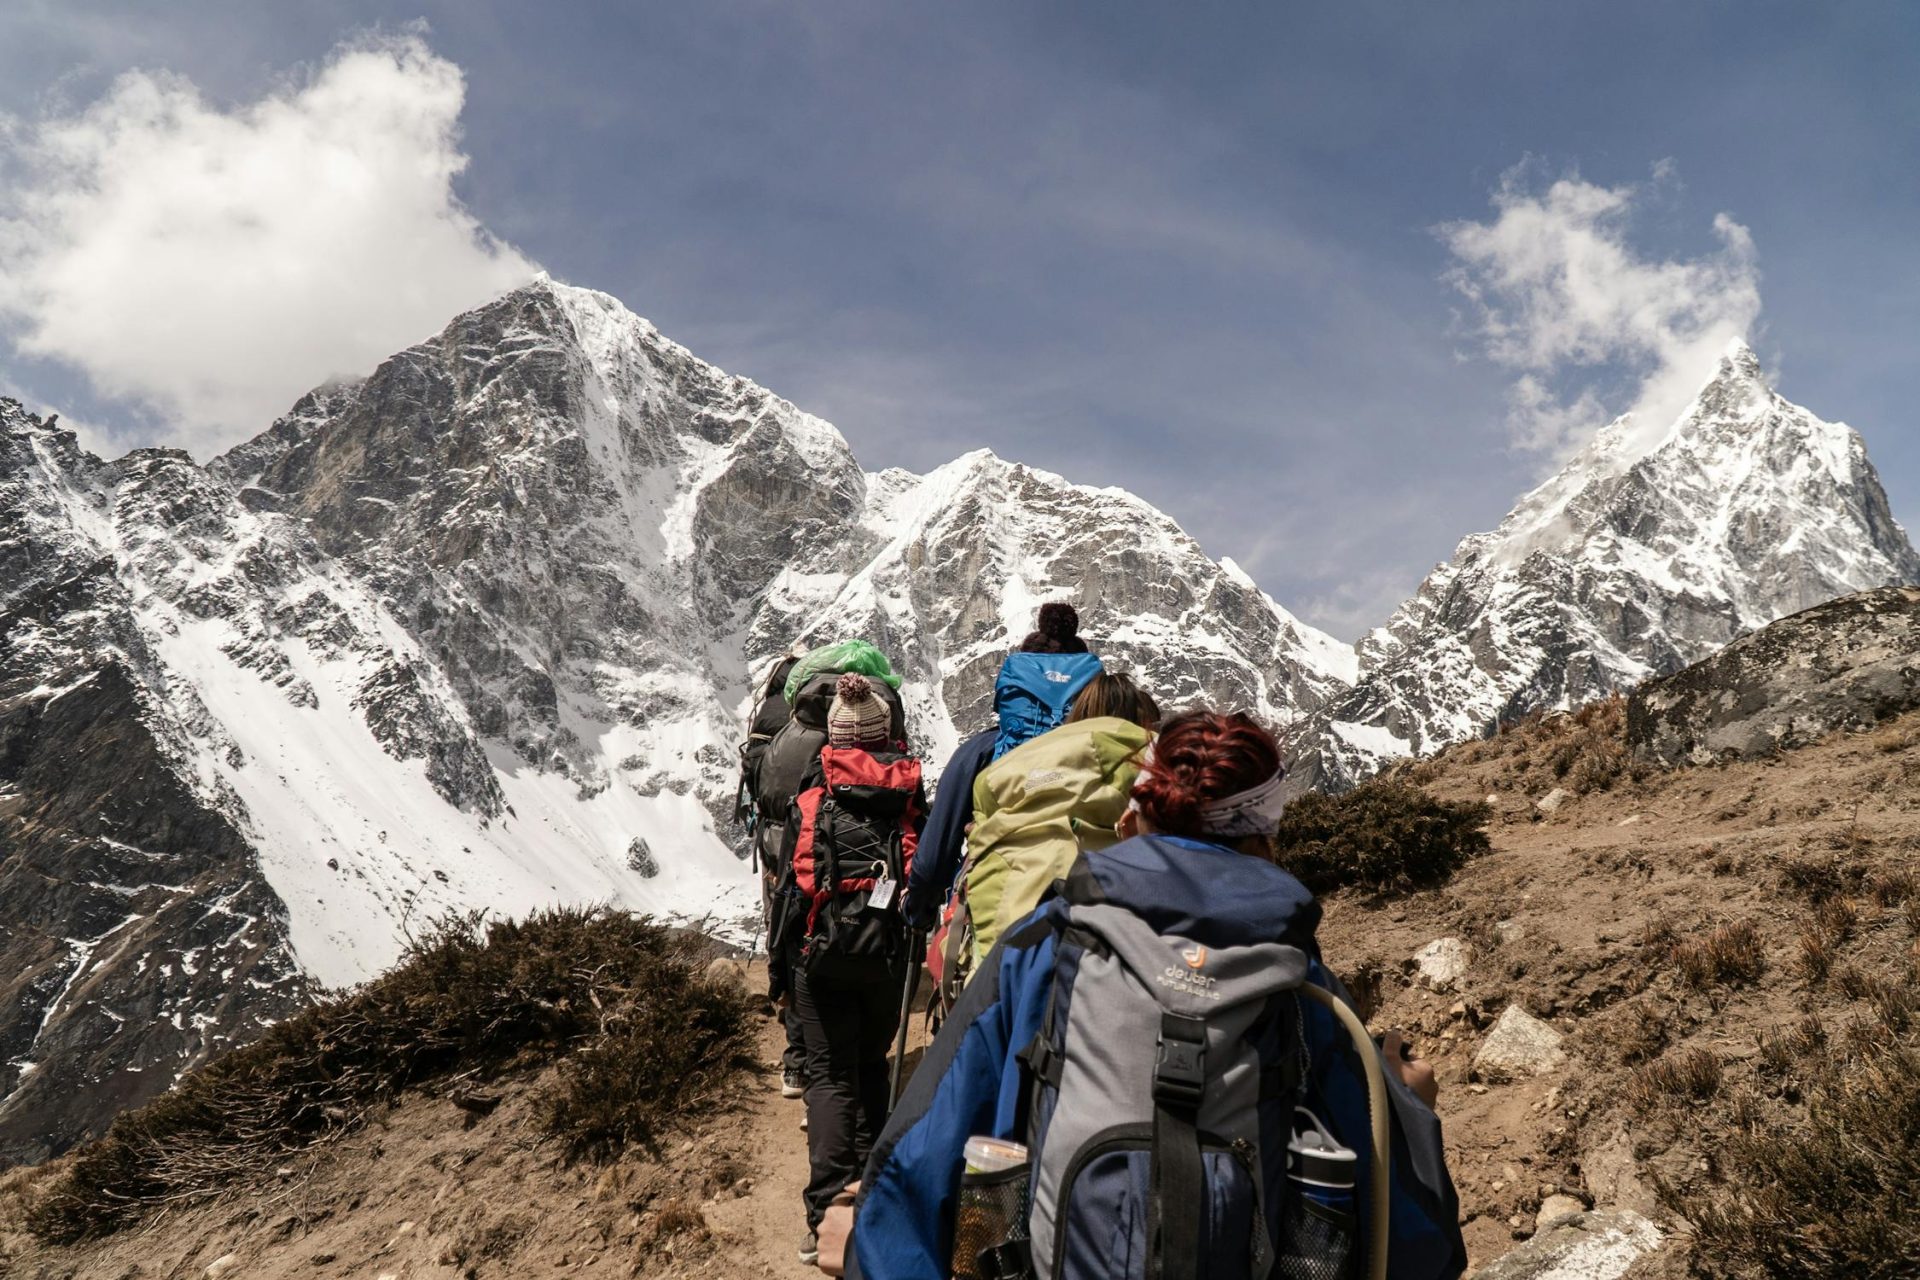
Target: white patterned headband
x,y
1253,812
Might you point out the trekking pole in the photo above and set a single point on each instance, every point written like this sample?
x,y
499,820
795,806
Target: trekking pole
x,y
916,943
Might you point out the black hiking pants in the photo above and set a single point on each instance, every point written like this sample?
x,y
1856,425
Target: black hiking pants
x,y
847,1013
778,909
794,1057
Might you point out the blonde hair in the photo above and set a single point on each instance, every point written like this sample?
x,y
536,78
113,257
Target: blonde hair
x,y
1114,693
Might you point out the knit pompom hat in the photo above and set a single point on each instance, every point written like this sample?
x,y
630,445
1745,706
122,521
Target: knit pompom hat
x,y
1058,632
858,717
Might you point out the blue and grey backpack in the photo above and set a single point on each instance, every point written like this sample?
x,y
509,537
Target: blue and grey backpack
x,y
1035,692
1166,1082
1197,1100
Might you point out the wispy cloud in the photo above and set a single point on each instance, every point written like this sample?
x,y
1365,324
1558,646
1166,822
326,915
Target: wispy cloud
x,y
1556,290
211,264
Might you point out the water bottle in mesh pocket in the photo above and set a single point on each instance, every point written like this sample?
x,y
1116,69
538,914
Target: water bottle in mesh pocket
x,y
1317,1231
990,1217
1317,1243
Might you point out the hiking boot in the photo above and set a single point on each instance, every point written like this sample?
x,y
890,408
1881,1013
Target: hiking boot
x,y
792,1083
810,1250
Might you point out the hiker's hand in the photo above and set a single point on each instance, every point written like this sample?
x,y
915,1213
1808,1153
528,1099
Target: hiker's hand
x,y
1415,1073
834,1230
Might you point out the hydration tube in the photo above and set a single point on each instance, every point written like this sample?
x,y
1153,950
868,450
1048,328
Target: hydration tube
x,y
1379,1175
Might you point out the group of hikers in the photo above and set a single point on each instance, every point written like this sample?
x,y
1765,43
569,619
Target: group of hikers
x,y
1141,1066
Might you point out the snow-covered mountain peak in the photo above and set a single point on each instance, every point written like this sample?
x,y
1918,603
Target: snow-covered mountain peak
x,y
1634,559
1737,441
635,365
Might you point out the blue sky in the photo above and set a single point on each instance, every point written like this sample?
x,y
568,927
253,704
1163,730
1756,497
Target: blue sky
x,y
1191,249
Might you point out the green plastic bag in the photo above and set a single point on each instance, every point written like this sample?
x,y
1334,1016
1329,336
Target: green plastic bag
x,y
841,656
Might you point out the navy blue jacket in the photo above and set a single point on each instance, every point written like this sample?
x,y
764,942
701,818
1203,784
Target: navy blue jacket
x,y
943,845
970,1081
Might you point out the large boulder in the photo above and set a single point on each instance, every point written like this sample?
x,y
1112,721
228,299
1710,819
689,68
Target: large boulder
x,y
1443,962
1519,1045
1847,664
1597,1245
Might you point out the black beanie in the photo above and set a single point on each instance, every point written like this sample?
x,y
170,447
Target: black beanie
x,y
1059,631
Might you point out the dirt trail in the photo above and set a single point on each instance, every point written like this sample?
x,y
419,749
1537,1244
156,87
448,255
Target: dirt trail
x,y
759,1234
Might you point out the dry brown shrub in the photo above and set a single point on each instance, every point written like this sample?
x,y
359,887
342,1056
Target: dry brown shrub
x,y
1384,836
1816,877
1893,1004
1583,751
1894,886
1745,1111
1693,1076
1854,982
1816,953
676,1228
1837,918
1781,1052
470,1001
1639,1032
1730,955
1824,1193
1896,737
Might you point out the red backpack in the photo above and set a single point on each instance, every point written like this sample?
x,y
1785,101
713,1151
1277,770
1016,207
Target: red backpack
x,y
860,815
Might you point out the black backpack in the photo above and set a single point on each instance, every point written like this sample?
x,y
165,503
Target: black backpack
x,y
857,823
770,715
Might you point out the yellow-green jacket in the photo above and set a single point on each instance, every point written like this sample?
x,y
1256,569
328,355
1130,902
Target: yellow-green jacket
x,y
1037,807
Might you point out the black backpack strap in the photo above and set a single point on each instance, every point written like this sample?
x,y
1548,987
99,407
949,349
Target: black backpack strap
x,y
1176,1179
1280,1079
1040,1069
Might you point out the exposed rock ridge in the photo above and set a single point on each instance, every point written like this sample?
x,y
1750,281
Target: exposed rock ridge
x,y
1848,664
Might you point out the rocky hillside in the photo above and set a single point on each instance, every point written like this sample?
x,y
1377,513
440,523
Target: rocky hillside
x,y
1644,554
477,633
1676,997
500,1103
1844,665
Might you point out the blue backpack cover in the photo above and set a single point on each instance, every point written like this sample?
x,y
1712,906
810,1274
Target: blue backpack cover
x,y
1034,693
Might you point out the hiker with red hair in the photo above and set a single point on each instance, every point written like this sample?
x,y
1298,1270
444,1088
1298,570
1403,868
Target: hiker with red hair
x,y
1154,1074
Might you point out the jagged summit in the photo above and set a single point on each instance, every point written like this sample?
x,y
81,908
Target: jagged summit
x,y
1641,555
1559,512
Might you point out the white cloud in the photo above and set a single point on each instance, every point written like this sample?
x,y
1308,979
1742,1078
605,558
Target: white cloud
x,y
1556,288
213,264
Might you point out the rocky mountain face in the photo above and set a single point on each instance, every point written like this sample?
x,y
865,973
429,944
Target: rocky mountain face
x,y
1644,554
137,935
477,633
